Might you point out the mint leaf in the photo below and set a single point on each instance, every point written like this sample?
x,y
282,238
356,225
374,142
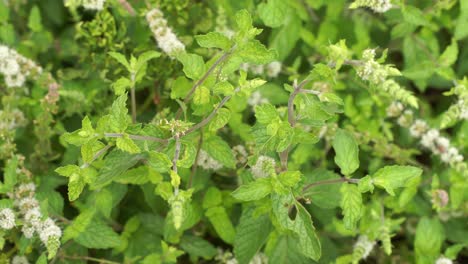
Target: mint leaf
x,y
214,40
273,13
347,152
221,223
393,177
351,203
194,66
252,191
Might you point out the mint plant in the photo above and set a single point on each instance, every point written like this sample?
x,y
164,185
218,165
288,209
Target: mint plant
x,y
233,131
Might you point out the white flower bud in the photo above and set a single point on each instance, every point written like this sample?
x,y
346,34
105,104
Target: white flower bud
x,y
166,39
7,219
264,167
273,69
19,260
418,128
443,260
207,162
395,109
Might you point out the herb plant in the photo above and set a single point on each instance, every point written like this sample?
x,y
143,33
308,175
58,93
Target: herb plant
x,y
233,131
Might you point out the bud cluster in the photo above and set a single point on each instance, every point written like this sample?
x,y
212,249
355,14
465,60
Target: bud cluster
x,y
33,220
272,69
207,162
15,67
378,6
264,167
362,248
163,34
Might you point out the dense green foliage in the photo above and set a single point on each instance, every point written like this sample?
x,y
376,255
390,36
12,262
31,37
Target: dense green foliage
x,y
234,131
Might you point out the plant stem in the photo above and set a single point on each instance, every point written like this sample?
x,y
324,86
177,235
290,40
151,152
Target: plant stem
x,y
205,121
175,159
202,79
126,5
291,118
132,94
96,156
340,180
194,167
136,137
105,261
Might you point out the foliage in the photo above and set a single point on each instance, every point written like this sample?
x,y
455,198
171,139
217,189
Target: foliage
x,y
233,131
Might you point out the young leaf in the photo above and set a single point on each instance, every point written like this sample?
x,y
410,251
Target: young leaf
x,y
219,150
194,66
347,152
221,119
98,235
120,58
252,191
393,177
251,233
214,40
273,13
428,240
126,144
351,203
265,113
221,223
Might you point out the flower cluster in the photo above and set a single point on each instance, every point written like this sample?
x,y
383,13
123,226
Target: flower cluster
x,y
93,4
264,167
368,69
163,34
378,6
207,162
440,198
7,219
443,260
10,120
19,260
459,110
272,69
429,138
49,233
15,67
256,98
240,153
362,248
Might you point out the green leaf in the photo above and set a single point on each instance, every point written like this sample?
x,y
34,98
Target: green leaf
x,y
76,184
214,40
198,247
126,144
34,21
219,150
220,120
159,161
346,152
213,197
284,250
393,177
79,225
201,96
273,13
428,240
121,85
120,58
224,88
116,163
414,16
119,119
180,88
256,53
67,170
450,54
289,178
351,203
252,191
222,224
98,235
309,243
139,175
9,176
251,233
144,58
194,66
103,202
324,195
266,113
